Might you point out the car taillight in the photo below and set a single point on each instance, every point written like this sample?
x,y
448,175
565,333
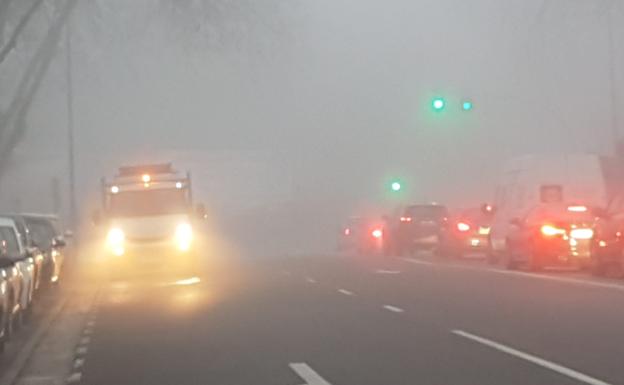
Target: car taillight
x,y
462,226
347,231
582,233
577,209
551,231
406,219
377,233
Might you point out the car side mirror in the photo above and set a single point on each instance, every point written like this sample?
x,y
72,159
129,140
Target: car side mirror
x,y
68,234
200,210
515,222
59,242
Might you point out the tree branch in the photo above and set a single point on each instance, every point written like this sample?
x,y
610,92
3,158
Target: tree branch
x,y
18,29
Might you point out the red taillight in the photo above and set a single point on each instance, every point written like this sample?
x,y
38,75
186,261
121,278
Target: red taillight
x,y
377,233
347,231
462,226
406,219
551,231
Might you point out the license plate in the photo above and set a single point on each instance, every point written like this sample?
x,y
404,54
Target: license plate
x,y
484,230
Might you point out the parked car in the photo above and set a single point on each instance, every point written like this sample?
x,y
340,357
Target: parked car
x,y
46,234
18,268
31,248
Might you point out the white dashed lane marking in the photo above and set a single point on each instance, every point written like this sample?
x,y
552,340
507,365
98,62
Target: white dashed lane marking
x,y
393,309
578,376
311,280
381,271
308,374
345,292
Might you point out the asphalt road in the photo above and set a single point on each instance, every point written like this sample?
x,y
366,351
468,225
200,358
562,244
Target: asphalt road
x,y
351,320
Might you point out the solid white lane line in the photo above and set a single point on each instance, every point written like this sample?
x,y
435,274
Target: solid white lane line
x,y
380,271
308,374
531,358
311,280
575,281
345,292
393,309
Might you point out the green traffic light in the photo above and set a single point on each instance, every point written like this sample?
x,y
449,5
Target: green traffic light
x,y
438,104
396,186
467,106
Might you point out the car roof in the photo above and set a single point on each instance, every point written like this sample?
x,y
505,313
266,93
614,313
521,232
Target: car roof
x,y
35,216
7,221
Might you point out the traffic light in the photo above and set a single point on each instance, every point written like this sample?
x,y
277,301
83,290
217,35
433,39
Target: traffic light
x,y
396,186
438,104
467,105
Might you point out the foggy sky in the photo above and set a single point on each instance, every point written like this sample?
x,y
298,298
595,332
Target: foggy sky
x,y
335,97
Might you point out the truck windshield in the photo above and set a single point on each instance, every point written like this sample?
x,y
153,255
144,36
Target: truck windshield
x,y
148,202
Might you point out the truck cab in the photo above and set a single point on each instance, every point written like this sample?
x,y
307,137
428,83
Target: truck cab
x,y
150,221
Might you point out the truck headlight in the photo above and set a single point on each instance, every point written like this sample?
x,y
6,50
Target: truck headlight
x,y
184,236
115,240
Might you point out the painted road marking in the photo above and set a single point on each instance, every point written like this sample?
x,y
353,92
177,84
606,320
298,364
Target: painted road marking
x,y
311,280
380,271
531,358
74,378
82,351
85,340
418,261
79,363
575,281
308,374
393,309
345,292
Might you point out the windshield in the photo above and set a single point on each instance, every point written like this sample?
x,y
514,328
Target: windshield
x,y
8,242
148,203
42,232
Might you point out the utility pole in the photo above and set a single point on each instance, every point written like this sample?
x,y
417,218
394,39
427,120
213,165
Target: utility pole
x,y
70,128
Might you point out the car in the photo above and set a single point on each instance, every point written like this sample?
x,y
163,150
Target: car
x,y
18,268
467,232
531,180
31,248
362,235
551,235
607,258
419,227
46,235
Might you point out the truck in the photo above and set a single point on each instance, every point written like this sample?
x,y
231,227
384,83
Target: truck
x,y
150,222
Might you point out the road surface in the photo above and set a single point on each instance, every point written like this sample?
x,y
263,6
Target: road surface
x,y
351,320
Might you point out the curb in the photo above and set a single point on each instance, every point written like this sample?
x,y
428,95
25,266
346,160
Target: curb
x,y
21,359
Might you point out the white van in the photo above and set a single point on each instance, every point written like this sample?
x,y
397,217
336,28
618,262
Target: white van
x,y
529,180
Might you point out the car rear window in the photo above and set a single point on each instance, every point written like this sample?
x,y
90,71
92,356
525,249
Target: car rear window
x,y
427,212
